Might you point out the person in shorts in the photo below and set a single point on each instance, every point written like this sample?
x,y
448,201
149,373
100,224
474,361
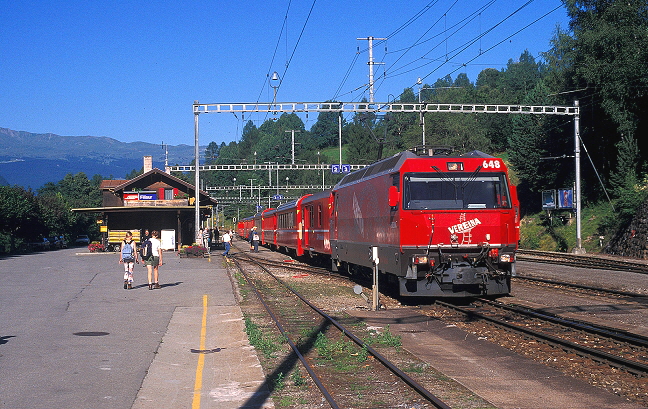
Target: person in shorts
x,y
227,242
128,256
155,261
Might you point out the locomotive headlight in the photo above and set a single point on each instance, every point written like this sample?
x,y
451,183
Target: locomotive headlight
x,y
453,166
507,258
420,260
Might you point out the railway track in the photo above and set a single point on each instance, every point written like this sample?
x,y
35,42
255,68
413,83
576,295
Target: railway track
x,y
616,348
581,260
295,316
587,288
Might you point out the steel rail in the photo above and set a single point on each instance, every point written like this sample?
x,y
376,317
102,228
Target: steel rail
x,y
609,332
613,360
383,360
589,261
582,286
309,369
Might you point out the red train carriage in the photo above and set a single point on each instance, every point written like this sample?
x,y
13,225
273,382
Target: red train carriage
x,y
289,233
316,218
244,226
268,227
443,226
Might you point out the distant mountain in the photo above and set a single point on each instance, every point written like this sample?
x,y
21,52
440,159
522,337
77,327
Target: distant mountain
x,y
31,160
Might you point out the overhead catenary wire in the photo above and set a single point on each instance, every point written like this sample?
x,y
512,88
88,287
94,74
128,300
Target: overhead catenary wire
x,y
274,54
472,41
393,71
284,29
462,24
494,45
461,48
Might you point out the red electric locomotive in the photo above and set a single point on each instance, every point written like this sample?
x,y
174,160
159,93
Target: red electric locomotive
x,y
443,226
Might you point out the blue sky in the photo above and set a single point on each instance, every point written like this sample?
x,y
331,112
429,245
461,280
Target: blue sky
x,y
131,70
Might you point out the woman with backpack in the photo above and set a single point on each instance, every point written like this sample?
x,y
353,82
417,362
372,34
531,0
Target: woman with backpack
x,y
128,256
154,261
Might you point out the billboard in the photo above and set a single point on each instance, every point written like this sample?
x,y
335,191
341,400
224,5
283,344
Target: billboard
x,y
565,198
548,199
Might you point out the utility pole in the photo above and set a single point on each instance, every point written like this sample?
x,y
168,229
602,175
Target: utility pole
x,y
292,131
197,174
166,157
371,63
579,243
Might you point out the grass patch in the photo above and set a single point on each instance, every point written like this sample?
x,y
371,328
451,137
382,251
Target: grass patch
x,y
345,354
385,338
416,368
266,344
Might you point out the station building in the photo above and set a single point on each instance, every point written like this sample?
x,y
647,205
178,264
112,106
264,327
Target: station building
x,y
154,200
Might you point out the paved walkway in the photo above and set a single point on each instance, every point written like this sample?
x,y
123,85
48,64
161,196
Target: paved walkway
x,y
205,359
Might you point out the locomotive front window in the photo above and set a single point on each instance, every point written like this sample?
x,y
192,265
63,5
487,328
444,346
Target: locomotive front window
x,y
427,191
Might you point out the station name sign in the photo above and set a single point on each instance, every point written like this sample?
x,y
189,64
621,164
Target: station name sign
x,y
142,195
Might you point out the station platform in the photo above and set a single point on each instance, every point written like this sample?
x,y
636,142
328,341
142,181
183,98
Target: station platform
x,y
205,359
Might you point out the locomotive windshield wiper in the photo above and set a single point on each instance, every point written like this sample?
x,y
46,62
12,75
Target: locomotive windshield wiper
x,y
447,179
472,177
469,179
444,177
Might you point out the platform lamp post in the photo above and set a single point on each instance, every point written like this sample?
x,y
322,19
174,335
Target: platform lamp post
x,y
274,83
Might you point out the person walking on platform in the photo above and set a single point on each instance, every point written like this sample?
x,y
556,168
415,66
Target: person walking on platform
x,y
227,241
254,240
128,256
206,234
154,262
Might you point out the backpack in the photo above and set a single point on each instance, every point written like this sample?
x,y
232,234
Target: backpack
x,y
147,250
127,252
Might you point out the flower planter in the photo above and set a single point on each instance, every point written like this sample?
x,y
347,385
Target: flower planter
x,y
192,252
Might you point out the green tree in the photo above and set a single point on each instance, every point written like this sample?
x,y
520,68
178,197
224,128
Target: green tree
x,y
134,173
612,50
362,147
249,137
55,214
325,130
519,78
211,152
534,139
19,214
610,42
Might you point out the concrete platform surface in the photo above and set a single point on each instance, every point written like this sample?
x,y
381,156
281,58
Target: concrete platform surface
x,y
205,359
